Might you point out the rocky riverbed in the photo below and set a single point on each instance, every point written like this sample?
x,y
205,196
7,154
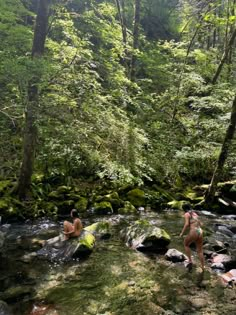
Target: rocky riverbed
x,y
115,278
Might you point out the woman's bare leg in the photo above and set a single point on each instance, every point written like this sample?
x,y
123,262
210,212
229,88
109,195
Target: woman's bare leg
x,y
199,244
68,227
187,241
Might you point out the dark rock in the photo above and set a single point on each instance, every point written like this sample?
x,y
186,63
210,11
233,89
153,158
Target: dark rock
x,y
175,255
59,249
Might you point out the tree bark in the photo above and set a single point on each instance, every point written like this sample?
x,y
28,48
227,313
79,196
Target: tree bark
x,y
30,132
210,193
135,38
224,57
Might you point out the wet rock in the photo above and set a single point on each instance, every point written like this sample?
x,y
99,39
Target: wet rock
x,y
16,293
224,230
43,310
4,308
229,278
144,236
222,261
175,255
207,213
100,230
27,258
2,238
58,249
229,217
214,245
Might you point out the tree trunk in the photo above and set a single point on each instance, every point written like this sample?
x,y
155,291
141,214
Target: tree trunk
x,y
30,133
121,13
135,38
209,196
224,57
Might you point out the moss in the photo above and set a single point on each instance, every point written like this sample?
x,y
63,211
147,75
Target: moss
x,y
177,204
82,204
87,240
4,184
63,189
102,227
127,209
4,204
73,196
136,197
103,207
56,195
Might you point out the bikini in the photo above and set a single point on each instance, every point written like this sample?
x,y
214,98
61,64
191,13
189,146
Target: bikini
x,y
195,220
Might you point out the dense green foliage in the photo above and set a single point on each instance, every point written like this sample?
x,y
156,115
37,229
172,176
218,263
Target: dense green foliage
x,y
93,122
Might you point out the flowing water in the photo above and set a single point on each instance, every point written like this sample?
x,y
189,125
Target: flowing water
x,y
113,280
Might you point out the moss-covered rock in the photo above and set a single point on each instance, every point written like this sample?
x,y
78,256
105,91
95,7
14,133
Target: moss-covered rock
x,y
144,236
82,204
127,209
100,229
113,198
103,207
136,197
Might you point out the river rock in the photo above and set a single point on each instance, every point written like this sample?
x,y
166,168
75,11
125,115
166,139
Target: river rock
x,y
222,261
4,308
224,230
143,236
59,249
43,310
229,278
174,255
100,229
1,240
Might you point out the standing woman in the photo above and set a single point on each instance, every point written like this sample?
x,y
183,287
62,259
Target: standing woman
x,y
195,235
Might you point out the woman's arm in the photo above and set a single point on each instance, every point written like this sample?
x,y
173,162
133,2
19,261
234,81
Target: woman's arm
x,y
186,223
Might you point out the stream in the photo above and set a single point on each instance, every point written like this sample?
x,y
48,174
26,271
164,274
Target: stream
x,y
113,280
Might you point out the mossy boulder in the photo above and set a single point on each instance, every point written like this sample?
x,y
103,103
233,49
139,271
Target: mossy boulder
x,y
58,249
144,236
136,197
103,207
113,198
82,204
100,229
16,293
127,209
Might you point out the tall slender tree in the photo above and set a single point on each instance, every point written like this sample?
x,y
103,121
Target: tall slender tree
x,y
209,196
30,133
137,7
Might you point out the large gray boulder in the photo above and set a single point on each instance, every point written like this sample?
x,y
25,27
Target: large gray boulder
x,y
58,249
144,236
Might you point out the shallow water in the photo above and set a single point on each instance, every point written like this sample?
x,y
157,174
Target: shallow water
x,y
113,280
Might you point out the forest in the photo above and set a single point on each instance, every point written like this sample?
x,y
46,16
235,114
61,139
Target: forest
x,y
115,94
119,109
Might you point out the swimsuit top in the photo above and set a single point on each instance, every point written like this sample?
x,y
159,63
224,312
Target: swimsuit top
x,y
193,218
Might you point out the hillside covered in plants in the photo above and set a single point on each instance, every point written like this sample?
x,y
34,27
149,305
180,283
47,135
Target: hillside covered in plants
x,y
112,105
